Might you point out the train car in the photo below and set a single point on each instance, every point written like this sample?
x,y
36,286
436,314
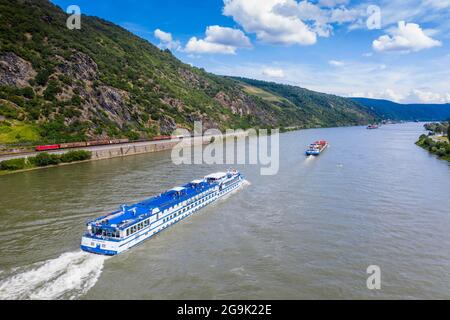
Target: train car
x,y
73,145
119,141
160,138
48,147
181,136
98,143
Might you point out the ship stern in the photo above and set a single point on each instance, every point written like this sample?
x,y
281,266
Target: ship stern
x,y
100,247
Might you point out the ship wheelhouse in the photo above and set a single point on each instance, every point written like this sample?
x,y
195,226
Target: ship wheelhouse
x,y
216,177
103,232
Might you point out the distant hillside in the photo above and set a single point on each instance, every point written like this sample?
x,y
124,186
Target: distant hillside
x,y
102,81
408,112
316,109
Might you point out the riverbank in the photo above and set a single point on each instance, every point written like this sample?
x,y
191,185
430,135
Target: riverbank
x,y
6,172
43,160
437,146
24,163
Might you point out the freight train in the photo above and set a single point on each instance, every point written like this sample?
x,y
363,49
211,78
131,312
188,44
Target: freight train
x,y
98,143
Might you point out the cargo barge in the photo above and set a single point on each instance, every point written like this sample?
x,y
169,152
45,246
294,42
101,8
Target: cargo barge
x,y
317,148
131,225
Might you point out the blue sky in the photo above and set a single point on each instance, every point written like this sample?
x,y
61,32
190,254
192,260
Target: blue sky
x,y
393,49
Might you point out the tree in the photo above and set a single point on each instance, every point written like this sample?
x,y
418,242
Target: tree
x,y
448,131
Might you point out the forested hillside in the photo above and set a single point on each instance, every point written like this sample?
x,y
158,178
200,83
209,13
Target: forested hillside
x,y
407,112
59,85
316,109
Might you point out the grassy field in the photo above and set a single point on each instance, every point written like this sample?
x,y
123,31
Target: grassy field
x,y
261,94
16,132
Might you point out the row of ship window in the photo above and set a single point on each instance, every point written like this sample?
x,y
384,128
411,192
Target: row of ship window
x,y
189,201
107,234
228,183
225,190
138,227
187,208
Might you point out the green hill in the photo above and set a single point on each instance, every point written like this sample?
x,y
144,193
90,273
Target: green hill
x,y
102,81
409,112
315,109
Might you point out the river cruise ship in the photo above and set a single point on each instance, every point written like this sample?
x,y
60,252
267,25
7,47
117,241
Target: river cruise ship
x,y
131,225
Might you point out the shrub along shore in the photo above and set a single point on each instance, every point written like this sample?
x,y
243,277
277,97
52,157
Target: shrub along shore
x,y
439,148
44,160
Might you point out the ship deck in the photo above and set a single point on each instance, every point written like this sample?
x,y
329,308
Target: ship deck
x,y
131,214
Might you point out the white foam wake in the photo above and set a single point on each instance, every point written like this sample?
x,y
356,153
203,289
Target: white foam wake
x,y
67,277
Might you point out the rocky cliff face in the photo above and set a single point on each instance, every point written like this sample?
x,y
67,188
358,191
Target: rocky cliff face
x,y
102,81
15,71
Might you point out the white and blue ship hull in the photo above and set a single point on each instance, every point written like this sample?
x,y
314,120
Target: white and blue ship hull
x,y
317,148
313,152
185,209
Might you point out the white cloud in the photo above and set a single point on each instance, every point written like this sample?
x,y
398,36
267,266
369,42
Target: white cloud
x,y
221,40
259,17
343,15
307,12
428,96
273,73
227,36
166,40
414,96
332,3
163,36
290,22
387,94
336,63
447,97
438,4
421,11
391,95
319,17
195,45
370,79
408,37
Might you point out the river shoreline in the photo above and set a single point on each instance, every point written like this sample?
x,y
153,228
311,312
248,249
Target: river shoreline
x,y
117,151
437,147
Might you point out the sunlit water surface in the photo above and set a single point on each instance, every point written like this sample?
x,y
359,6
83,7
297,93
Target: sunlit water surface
x,y
309,232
